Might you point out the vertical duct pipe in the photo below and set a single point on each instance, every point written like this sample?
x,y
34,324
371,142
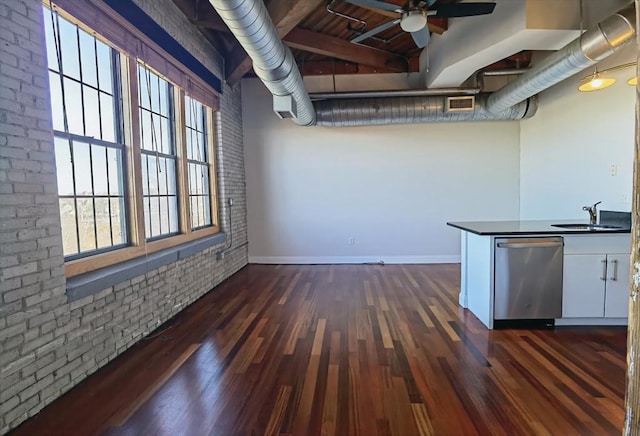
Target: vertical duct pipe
x,y
273,62
590,48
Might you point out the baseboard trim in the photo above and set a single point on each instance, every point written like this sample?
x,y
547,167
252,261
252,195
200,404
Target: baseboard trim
x,y
310,260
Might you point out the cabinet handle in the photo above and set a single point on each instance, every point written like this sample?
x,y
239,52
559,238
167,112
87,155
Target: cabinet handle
x,y
603,277
614,277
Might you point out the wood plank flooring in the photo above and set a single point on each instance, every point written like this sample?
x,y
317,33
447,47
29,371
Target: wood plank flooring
x,y
348,349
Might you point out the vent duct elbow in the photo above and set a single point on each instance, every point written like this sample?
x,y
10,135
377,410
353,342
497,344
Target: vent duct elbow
x,y
593,46
273,62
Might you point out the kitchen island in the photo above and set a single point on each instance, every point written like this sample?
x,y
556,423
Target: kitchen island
x,y
595,265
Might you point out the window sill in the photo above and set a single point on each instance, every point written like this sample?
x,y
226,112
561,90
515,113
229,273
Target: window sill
x,y
90,283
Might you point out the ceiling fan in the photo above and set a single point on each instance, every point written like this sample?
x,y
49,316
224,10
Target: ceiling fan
x,y
413,18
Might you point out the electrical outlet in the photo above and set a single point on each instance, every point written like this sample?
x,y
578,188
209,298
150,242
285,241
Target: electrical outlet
x,y
351,241
614,170
230,202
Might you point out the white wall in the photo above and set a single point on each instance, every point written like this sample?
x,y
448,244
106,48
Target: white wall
x,y
391,188
570,145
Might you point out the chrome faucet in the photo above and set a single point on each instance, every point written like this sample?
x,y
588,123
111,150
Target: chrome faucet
x,y
593,213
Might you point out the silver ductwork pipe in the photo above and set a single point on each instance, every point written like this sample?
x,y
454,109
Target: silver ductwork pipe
x,y
410,110
590,48
395,93
273,62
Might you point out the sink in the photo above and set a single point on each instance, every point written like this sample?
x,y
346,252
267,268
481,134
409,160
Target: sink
x,y
593,227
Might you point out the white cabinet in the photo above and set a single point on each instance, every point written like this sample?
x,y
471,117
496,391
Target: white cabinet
x,y
596,277
582,287
616,301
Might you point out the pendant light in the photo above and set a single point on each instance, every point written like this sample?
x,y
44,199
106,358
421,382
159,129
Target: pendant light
x,y
599,79
595,82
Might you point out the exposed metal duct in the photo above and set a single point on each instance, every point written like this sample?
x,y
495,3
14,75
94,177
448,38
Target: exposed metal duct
x,y
273,62
394,93
591,47
408,110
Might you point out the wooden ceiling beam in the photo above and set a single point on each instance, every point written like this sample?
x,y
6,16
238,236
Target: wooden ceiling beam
x,y
286,15
318,43
337,67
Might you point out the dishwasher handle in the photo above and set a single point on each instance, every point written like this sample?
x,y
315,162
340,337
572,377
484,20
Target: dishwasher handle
x,y
529,244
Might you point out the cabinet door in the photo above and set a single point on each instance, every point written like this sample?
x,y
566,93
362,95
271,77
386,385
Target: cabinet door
x,y
582,286
616,303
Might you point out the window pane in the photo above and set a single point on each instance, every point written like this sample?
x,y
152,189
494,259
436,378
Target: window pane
x,y
116,181
155,91
189,143
192,179
207,211
64,168
106,117
91,112
99,165
205,179
49,23
164,99
152,175
145,130
103,223
156,134
155,217
104,67
144,89
69,49
88,58
73,101
56,102
82,168
164,215
86,224
166,136
162,176
171,176
173,214
118,227
147,217
194,216
68,222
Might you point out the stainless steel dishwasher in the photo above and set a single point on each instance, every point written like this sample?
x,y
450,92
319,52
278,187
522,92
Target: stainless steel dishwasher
x,y
528,278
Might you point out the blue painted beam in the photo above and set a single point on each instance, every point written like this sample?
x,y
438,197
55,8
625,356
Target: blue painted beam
x,y
143,22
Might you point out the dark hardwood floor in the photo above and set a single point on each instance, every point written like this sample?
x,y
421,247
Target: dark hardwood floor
x,y
349,349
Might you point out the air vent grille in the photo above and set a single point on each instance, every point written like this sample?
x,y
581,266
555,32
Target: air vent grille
x,y
460,104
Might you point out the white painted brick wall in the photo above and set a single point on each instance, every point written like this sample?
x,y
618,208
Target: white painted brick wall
x,y
48,345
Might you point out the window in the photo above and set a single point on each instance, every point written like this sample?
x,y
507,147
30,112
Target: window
x,y
197,156
134,149
88,146
159,157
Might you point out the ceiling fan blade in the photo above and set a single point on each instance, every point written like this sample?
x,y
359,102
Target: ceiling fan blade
x,y
455,10
376,30
421,37
376,5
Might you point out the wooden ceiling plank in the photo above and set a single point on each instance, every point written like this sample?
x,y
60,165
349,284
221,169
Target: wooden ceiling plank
x,y
318,43
285,14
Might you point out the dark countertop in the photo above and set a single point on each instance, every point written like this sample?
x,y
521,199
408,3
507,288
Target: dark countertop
x,y
490,228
